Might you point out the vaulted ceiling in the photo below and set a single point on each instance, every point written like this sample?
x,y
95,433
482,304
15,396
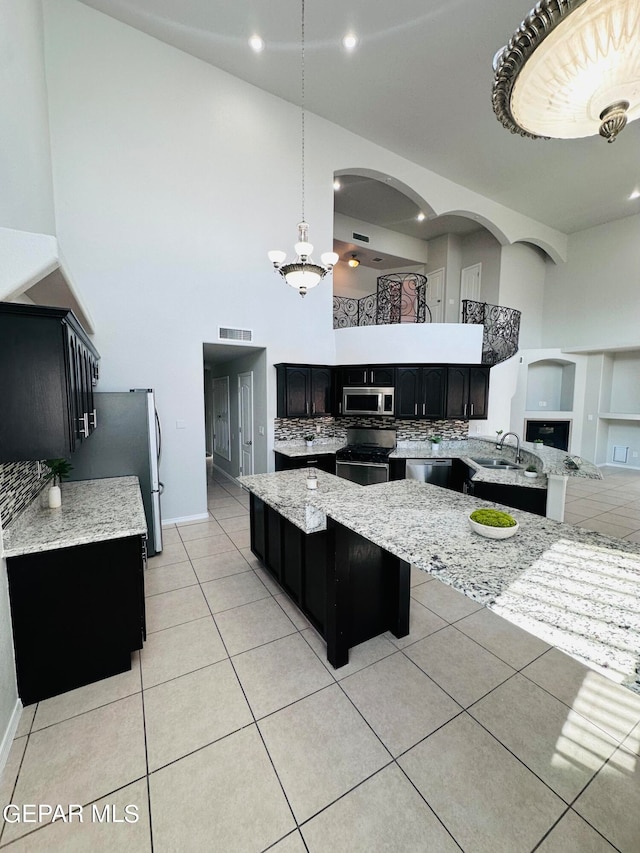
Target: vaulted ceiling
x,y
418,83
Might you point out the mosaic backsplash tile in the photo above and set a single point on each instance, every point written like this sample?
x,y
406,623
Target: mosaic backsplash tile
x,y
295,429
19,485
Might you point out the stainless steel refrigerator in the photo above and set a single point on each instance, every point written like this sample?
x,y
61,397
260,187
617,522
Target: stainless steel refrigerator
x,y
127,440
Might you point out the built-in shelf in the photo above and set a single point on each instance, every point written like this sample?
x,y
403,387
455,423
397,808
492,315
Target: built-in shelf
x,y
619,416
588,350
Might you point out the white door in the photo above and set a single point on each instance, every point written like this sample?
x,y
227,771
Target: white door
x,y
470,279
221,444
245,418
435,295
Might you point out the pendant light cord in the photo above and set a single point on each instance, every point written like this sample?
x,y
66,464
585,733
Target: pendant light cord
x,y
302,104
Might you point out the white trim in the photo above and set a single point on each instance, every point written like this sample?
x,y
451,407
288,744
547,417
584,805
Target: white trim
x,y
248,373
618,465
168,522
9,734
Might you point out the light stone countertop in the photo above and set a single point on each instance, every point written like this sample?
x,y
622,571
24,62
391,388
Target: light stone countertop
x,y
91,511
574,588
299,448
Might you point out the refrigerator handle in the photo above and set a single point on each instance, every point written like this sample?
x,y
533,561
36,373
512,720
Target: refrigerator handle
x,y
158,434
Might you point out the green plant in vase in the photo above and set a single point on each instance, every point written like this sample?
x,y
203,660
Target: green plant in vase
x,y
59,470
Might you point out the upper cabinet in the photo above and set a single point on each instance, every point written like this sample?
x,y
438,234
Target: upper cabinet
x,y
362,374
467,392
304,391
420,391
48,369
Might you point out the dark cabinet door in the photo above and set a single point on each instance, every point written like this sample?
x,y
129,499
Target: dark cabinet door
x,y
478,392
297,392
356,375
382,375
321,391
457,392
407,400
434,383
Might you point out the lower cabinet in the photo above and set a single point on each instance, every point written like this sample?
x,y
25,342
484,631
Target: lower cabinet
x,y
322,461
349,588
518,497
77,614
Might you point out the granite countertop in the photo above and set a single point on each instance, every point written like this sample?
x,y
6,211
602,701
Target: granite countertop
x,y
547,460
91,511
299,448
574,588
287,492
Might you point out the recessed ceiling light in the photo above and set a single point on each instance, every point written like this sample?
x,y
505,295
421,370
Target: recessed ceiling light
x,y
256,44
337,185
635,194
353,262
349,41
421,217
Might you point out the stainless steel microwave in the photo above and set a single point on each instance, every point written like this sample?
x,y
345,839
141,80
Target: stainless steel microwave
x,y
367,401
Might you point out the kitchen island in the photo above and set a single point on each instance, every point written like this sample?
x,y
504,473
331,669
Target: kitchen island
x,y
76,586
574,588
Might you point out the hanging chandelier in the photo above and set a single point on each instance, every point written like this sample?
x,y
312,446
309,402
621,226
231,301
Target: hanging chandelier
x,y
302,273
571,69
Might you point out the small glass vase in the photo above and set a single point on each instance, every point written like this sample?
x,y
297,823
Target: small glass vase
x,y
54,497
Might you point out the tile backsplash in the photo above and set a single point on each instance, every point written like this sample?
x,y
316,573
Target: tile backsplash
x,y
294,429
19,485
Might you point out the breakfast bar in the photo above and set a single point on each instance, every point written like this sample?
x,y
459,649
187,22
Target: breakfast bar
x,y
572,587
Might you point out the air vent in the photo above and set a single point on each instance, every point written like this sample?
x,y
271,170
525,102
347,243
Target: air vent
x,y
361,237
227,334
376,260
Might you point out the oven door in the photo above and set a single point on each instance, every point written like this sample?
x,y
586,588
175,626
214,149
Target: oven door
x,y
364,473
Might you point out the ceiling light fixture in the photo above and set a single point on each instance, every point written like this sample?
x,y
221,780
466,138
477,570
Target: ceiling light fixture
x,y
302,273
349,41
353,262
571,69
256,44
634,195
337,185
421,217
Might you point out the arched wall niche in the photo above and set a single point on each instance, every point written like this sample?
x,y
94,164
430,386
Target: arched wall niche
x,y
551,385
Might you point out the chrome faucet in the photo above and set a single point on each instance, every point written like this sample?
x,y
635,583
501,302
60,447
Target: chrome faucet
x,y
517,438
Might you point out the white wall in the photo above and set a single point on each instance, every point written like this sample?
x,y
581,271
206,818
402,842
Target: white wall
x,y
481,247
594,298
26,202
522,286
456,343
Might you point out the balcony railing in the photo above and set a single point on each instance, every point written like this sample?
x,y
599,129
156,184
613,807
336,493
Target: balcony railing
x,y
501,329
400,298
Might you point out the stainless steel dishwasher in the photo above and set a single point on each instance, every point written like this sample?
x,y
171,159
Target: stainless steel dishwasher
x,y
435,471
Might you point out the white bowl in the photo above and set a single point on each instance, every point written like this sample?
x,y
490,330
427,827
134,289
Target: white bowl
x,y
531,474
494,532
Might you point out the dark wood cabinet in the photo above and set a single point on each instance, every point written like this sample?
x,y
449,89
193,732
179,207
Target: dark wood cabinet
x,y
368,374
467,392
48,369
304,390
518,497
77,614
322,461
420,392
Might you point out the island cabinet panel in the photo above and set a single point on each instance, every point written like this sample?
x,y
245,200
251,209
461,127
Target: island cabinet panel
x,y
323,461
295,559
77,614
350,589
304,390
518,497
48,368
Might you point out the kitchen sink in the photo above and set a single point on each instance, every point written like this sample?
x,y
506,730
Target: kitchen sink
x,y
502,464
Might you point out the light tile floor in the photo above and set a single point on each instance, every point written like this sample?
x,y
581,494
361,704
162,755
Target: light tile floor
x,y
610,505
232,733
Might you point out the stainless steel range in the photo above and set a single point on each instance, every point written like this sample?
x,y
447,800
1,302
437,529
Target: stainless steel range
x,y
365,459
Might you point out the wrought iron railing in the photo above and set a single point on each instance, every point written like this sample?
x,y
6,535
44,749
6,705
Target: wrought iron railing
x,y
400,298
501,329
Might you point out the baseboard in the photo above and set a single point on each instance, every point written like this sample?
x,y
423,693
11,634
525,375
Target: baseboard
x,y
9,734
167,522
618,465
